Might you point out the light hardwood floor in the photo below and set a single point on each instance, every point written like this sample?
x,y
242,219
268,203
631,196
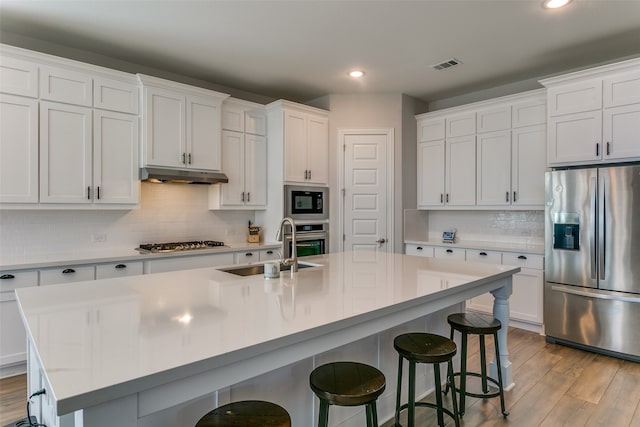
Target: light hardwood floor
x,y
555,386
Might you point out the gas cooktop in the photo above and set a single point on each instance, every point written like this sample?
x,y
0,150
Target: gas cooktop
x,y
147,248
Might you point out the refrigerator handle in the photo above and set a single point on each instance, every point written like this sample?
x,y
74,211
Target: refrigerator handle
x,y
592,225
602,227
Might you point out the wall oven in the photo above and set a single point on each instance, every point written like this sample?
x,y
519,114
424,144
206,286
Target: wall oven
x,y
311,239
306,203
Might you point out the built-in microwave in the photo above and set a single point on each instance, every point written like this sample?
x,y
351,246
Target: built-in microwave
x,y
306,203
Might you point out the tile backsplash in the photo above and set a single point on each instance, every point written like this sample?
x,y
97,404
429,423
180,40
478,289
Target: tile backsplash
x,y
499,226
169,212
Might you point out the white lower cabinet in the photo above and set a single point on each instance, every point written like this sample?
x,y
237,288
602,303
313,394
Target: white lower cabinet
x,y
13,337
525,302
187,262
67,274
250,257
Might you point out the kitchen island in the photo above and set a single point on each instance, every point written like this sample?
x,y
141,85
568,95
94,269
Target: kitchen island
x,y
163,349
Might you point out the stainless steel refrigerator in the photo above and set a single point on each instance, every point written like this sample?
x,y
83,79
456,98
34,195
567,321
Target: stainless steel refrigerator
x,y
592,259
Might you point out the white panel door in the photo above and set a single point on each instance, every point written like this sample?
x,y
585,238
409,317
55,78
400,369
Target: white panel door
x,y
575,138
164,127
115,157
65,153
318,150
18,149
528,164
255,170
233,163
460,170
494,169
621,132
203,134
295,147
365,198
431,173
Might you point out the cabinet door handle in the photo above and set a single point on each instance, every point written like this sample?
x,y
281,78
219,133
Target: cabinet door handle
x,y
441,198
120,266
482,254
269,252
248,196
309,173
507,196
242,196
305,174
68,271
608,148
597,149
7,276
88,193
447,197
189,158
449,251
419,248
522,257
514,197
98,191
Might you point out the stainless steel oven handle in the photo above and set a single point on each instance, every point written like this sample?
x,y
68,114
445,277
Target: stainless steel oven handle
x,y
594,294
307,236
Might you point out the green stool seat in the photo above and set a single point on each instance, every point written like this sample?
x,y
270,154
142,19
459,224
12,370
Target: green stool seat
x,y
347,384
248,413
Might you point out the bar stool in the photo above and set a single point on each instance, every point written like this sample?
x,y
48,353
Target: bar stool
x,y
347,384
421,347
476,324
248,413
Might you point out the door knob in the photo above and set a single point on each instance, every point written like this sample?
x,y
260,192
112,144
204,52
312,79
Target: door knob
x,y
380,242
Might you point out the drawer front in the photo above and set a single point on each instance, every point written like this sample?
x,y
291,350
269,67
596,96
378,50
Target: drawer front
x,y
523,260
451,253
269,254
419,250
11,280
118,269
489,257
70,274
247,257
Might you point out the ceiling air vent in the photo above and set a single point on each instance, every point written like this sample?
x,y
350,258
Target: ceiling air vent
x,y
447,64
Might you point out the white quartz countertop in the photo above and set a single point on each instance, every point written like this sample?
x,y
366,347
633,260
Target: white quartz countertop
x,y
98,340
80,257
485,245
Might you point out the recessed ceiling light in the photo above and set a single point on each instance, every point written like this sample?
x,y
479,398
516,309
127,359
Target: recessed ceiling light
x,y
356,73
555,4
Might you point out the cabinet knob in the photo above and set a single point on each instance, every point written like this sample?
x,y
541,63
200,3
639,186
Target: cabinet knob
x,y
7,276
419,248
68,271
522,257
449,251
483,254
120,266
248,254
269,252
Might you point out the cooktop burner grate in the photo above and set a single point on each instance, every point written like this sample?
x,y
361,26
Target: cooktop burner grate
x,y
178,246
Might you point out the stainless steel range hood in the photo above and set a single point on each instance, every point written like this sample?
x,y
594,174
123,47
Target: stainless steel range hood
x,y
182,176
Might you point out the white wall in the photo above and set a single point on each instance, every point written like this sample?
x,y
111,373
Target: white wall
x,y
169,212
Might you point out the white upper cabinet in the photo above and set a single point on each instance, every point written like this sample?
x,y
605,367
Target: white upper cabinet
x,y
594,115
500,163
303,134
66,148
181,125
66,86
18,149
18,77
244,158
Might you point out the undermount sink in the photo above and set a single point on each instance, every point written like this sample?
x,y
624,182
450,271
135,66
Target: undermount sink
x,y
252,270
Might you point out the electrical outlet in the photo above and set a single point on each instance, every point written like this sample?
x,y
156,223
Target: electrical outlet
x,y
99,237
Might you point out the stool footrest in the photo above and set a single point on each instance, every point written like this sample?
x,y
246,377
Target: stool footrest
x,y
427,405
478,395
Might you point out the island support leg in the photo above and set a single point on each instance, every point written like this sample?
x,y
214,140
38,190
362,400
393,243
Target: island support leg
x,y
501,312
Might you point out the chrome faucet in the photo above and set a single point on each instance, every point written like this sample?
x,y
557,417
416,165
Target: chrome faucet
x,y
293,260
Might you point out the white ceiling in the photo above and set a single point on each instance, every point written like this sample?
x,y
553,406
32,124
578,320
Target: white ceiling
x,y
300,50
